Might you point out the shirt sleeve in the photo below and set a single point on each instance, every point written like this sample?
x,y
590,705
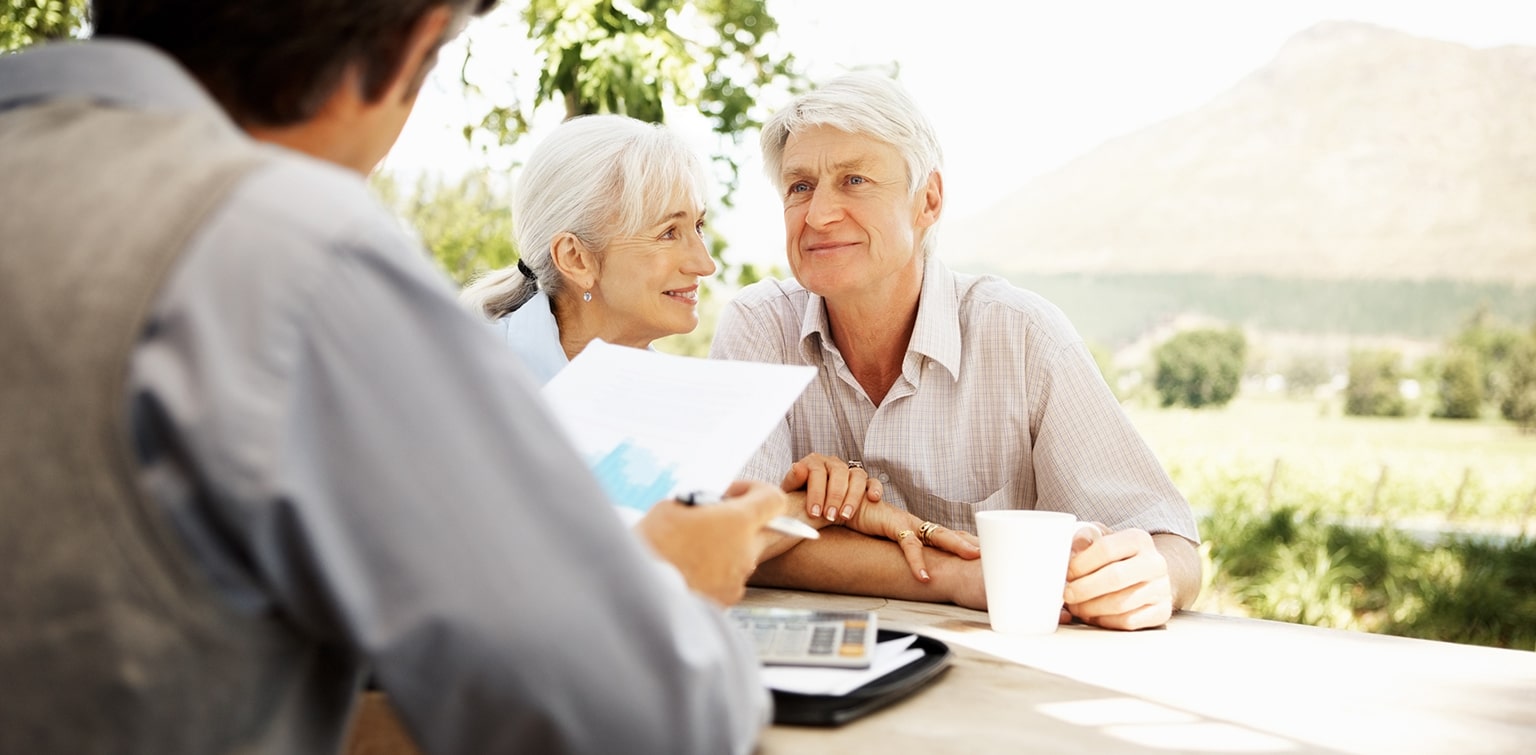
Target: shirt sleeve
x,y
1089,460
742,334
340,444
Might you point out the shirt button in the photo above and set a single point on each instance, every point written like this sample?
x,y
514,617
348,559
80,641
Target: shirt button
x,y
885,477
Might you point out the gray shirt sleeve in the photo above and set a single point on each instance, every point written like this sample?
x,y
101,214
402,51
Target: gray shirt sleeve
x,y
342,447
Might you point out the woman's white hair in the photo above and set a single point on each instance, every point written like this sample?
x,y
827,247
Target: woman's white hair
x,y
864,104
596,177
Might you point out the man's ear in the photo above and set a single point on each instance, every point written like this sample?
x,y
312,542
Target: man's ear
x,y
419,54
576,263
931,200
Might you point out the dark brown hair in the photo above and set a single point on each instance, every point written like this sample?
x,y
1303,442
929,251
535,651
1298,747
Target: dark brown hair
x,y
274,62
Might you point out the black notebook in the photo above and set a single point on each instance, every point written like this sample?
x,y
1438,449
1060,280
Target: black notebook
x,y
833,710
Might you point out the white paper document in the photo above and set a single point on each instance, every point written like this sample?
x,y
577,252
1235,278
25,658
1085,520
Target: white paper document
x,y
652,426
806,680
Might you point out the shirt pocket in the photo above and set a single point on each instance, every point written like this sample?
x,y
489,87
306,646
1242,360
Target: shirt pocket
x,y
958,512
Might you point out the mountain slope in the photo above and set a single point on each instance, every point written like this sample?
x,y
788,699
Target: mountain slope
x,y
1358,152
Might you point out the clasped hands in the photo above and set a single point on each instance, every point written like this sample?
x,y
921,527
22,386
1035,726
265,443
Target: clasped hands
x,y
1115,579
833,489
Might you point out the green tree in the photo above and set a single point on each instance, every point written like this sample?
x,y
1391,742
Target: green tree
x,y
1373,390
634,58
1517,399
25,22
1200,367
1461,382
465,224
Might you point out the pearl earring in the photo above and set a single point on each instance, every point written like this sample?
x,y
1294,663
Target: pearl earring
x,y
587,296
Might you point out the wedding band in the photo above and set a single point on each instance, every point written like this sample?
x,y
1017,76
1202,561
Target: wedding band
x,y
855,464
926,532
902,536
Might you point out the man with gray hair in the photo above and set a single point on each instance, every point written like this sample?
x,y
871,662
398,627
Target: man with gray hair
x,y
959,393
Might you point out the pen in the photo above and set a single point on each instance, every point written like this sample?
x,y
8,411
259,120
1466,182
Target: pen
x,y
780,524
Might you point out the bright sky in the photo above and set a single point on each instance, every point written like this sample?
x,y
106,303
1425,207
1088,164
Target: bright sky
x,y
1014,88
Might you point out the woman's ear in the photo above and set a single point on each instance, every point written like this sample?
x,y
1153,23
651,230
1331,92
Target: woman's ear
x,y
576,263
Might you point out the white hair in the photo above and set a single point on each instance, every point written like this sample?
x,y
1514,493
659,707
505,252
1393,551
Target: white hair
x,y
595,177
865,104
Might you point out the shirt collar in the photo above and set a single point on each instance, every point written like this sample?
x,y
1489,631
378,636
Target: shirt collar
x,y
533,334
936,334
116,71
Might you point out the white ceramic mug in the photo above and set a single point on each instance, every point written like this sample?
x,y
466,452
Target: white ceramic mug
x,y
1024,566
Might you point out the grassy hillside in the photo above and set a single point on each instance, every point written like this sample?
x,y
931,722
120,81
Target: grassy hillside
x,y
1116,309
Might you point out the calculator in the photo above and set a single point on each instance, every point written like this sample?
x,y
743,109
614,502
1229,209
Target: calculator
x,y
809,637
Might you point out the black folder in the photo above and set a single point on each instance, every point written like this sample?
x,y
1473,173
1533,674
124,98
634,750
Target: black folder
x,y
833,710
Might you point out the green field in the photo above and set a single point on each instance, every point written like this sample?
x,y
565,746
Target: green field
x,y
1415,526
1472,474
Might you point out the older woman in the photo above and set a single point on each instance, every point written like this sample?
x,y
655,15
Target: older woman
x,y
609,213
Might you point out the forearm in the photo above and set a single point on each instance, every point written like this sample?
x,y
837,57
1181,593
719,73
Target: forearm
x,y
772,544
1183,568
847,562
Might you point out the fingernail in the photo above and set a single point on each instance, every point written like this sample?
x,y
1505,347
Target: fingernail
x,y
847,512
923,573
815,511
831,515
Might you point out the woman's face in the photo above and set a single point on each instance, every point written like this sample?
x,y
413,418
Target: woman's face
x,y
648,282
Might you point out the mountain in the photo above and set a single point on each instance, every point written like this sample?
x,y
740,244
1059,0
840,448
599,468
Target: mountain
x,y
1357,152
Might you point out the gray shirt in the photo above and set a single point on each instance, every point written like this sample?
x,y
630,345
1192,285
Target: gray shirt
x,y
345,449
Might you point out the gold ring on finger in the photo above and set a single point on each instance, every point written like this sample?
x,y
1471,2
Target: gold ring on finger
x,y
926,531
902,536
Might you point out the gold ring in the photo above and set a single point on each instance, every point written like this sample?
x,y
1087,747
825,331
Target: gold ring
x,y
926,532
902,536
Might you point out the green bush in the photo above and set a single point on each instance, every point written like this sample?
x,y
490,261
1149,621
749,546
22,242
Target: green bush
x,y
1517,399
1461,385
1292,567
1373,385
1199,368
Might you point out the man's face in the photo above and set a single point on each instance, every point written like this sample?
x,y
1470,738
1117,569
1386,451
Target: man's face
x,y
850,223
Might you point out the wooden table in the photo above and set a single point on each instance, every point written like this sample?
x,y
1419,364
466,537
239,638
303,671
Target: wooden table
x,y
1205,683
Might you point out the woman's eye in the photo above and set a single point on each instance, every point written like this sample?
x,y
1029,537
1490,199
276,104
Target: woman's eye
x,y
857,179
670,233
799,187
699,228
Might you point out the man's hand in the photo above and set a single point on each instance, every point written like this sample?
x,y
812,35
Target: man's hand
x,y
831,486
714,547
1119,581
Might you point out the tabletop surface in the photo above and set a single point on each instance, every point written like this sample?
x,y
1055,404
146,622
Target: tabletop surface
x,y
1203,683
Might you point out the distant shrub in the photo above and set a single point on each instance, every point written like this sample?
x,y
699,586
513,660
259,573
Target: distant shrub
x,y
1517,399
1373,391
1199,368
1305,373
1461,385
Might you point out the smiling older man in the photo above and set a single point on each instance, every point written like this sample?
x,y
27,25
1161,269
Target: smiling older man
x,y
959,393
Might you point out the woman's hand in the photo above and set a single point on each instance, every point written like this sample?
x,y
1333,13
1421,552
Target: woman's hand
x,y
906,530
831,487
